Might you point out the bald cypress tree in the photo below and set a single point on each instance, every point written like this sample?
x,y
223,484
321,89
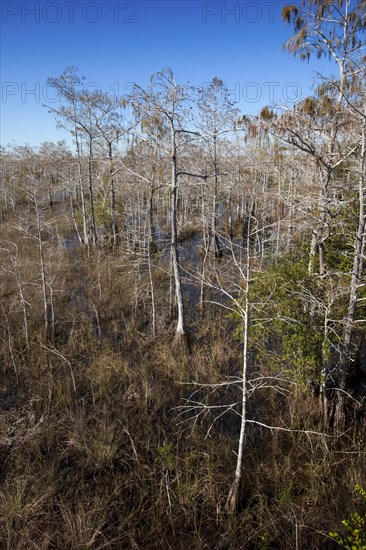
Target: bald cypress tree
x,y
337,29
164,105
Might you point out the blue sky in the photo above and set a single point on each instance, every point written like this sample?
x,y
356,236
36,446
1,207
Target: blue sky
x,y
115,42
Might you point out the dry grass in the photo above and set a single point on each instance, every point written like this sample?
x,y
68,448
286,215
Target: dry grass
x,y
93,455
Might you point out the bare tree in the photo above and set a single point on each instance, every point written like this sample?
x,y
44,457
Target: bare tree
x,y
338,416
67,115
165,106
11,250
217,120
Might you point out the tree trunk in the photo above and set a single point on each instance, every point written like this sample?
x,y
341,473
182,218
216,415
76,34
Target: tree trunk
x,y
180,331
47,306
233,497
339,410
215,245
150,249
80,179
113,198
91,192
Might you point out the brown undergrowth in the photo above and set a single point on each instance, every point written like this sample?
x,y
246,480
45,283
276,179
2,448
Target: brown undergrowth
x,y
97,453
